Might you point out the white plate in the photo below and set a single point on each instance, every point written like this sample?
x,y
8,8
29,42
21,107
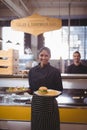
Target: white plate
x,y
51,92
23,98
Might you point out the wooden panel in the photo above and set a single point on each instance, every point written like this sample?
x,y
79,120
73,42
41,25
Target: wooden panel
x,y
9,62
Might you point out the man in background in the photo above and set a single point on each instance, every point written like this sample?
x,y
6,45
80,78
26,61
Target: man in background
x,y
77,66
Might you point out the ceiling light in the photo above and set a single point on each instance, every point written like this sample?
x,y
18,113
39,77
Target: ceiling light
x,y
9,41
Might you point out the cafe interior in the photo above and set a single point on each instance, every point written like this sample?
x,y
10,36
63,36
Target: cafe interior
x,y
25,27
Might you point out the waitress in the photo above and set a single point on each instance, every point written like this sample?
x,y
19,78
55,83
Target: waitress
x,y
44,112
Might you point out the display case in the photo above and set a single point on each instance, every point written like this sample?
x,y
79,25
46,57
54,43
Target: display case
x,y
72,102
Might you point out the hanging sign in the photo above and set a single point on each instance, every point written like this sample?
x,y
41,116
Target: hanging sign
x,y
36,24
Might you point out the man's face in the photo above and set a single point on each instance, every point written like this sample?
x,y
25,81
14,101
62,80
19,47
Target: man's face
x,y
76,58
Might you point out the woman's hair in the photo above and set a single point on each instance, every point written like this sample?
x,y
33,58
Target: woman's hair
x,y
46,49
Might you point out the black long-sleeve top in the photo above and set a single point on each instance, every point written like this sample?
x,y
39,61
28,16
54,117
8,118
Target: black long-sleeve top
x,y
80,69
47,76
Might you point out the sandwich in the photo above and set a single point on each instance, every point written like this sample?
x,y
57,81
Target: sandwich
x,y
43,90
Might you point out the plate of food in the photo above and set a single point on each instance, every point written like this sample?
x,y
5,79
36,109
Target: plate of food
x,y
43,91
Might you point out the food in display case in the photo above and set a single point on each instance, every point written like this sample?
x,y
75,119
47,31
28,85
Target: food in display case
x,y
16,89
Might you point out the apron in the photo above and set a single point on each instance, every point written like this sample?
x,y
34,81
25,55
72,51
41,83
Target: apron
x,y
44,113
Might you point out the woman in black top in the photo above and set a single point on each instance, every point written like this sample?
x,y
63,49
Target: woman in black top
x,y
45,115
44,74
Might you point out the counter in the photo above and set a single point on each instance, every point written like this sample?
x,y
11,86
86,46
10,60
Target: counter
x,y
69,80
14,112
72,103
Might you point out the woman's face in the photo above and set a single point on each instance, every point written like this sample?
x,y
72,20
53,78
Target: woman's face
x,y
44,57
